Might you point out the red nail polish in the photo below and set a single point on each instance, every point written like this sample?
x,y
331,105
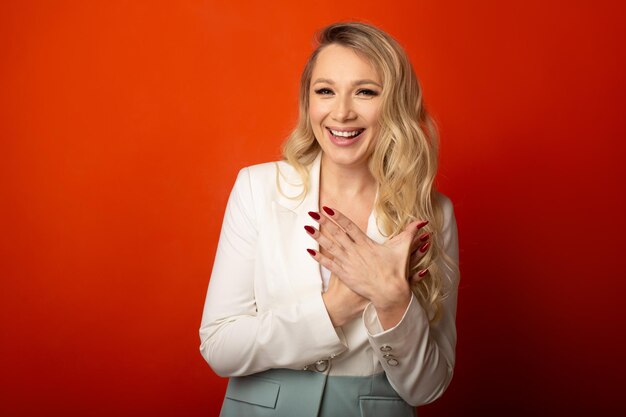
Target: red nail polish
x,y
328,210
424,237
423,272
314,215
422,224
309,229
425,247
311,251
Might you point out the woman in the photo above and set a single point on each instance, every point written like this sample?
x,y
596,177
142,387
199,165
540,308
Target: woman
x,y
348,310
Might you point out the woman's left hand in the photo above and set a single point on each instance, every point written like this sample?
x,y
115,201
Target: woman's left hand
x,y
375,271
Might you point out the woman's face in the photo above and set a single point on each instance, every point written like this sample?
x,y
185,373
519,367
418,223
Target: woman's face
x,y
344,105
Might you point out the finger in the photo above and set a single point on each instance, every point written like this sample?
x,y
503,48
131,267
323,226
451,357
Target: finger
x,y
347,225
418,276
415,259
326,262
412,236
420,247
335,232
420,237
419,253
335,249
416,229
415,226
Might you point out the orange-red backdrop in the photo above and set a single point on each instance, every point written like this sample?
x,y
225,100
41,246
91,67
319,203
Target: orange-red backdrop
x,y
123,125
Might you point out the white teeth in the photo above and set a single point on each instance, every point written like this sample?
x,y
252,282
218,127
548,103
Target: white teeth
x,y
346,134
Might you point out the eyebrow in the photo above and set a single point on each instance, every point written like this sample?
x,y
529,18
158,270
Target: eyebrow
x,y
358,82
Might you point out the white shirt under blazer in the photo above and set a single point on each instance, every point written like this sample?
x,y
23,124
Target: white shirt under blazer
x,y
264,305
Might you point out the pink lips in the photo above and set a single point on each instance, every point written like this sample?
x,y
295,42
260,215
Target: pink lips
x,y
343,141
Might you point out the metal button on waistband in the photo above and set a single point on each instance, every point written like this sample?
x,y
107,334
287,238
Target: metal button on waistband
x,y
322,365
385,348
392,362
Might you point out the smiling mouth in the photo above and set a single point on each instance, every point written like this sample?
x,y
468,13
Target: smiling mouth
x,y
347,134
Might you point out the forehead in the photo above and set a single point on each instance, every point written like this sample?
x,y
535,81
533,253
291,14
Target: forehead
x,y
340,63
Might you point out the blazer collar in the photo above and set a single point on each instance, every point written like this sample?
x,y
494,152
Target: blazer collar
x,y
291,185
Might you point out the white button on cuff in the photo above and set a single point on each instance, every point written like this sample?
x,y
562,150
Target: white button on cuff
x,y
385,348
392,362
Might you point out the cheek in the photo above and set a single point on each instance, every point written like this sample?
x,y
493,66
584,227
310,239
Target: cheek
x,y
373,114
373,119
369,111
316,112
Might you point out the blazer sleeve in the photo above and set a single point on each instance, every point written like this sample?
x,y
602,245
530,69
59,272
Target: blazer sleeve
x,y
417,357
236,339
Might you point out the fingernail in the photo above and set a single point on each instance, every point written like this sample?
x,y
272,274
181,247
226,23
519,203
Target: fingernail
x,y
328,210
309,229
424,247
314,215
422,224
424,237
423,272
311,251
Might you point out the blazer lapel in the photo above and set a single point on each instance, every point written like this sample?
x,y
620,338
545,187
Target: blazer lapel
x,y
301,271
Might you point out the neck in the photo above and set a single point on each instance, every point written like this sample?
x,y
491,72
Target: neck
x,y
346,181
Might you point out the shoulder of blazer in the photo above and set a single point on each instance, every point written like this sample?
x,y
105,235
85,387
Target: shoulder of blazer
x,y
447,208
267,177
261,174
279,182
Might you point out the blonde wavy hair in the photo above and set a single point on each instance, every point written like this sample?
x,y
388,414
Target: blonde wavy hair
x,y
404,161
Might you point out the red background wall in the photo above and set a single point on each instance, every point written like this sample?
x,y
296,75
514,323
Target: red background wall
x,y
123,125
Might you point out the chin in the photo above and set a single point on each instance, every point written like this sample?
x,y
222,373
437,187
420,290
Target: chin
x,y
345,157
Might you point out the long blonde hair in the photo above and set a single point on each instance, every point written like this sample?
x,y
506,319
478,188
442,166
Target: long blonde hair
x,y
404,161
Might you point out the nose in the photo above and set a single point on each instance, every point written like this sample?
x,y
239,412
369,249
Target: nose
x,y
343,109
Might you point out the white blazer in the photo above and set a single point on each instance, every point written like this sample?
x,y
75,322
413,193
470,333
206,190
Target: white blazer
x,y
264,305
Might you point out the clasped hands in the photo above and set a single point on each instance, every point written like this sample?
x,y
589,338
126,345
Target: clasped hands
x,y
365,271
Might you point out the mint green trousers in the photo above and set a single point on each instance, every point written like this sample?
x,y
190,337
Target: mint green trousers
x,y
289,393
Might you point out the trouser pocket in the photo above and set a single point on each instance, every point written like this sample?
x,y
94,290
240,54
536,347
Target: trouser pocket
x,y
250,396
376,406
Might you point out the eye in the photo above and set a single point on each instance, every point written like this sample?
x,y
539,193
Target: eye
x,y
368,92
323,91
